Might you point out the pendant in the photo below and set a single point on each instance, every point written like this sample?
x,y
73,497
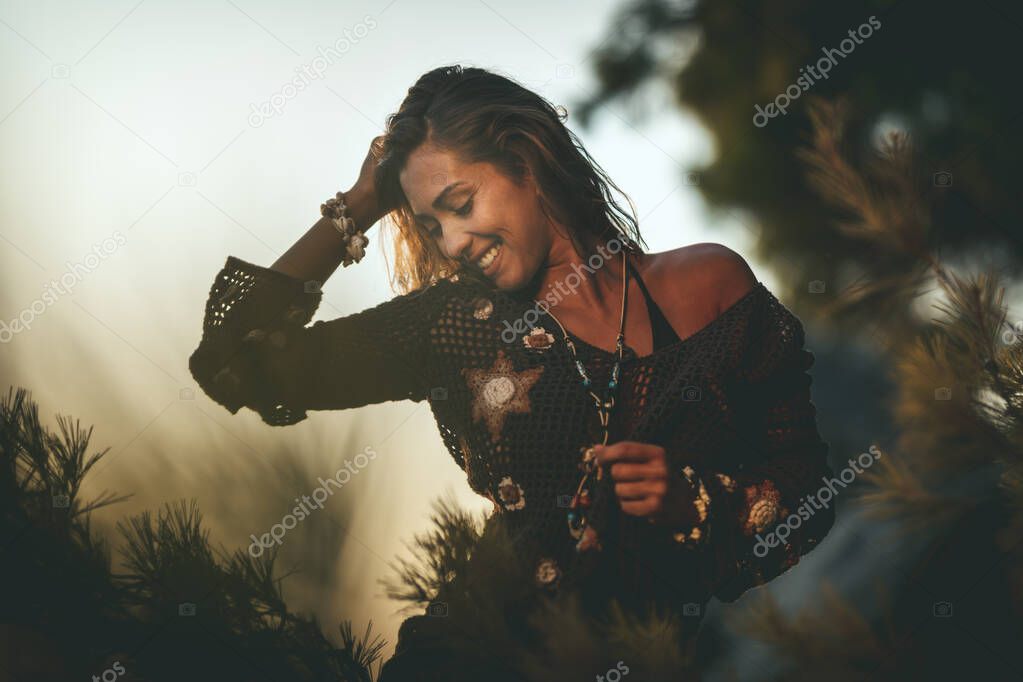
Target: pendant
x,y
538,339
588,541
575,525
589,462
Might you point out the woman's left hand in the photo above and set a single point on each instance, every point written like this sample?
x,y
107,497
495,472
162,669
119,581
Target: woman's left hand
x,y
644,484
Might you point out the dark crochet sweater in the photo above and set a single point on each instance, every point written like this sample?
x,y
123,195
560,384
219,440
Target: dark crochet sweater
x,y
732,401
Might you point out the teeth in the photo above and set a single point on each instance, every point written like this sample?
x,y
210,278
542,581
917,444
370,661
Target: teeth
x,y
489,255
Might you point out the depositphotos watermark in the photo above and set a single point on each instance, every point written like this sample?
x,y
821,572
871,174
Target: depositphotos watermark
x,y
110,674
572,281
824,495
810,76
614,674
307,73
315,501
75,273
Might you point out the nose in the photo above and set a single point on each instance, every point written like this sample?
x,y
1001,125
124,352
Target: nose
x,y
457,243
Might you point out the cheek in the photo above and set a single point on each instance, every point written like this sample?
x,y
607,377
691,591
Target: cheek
x,y
529,232
527,254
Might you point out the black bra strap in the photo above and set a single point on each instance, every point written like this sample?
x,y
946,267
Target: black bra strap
x,y
662,331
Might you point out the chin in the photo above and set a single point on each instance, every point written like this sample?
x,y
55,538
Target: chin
x,y
506,283
511,278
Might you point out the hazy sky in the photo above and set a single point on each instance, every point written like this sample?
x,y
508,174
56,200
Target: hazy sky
x,y
133,164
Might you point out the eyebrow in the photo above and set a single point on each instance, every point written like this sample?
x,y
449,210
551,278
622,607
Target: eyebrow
x,y
441,198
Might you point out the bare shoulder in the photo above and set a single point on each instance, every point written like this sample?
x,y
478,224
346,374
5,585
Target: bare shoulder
x,y
710,271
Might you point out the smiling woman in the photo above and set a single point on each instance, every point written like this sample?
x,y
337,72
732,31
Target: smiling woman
x,y
473,160
633,452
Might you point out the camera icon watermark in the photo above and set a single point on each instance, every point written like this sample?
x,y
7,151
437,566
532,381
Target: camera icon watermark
x,y
186,609
60,71
186,179
437,609
564,501
942,179
691,394
313,287
942,609
564,71
693,178
61,501
691,609
186,394
816,286
439,393
943,393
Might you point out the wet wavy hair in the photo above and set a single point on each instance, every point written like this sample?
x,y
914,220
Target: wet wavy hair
x,y
486,117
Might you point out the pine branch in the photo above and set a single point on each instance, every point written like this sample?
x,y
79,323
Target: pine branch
x,y
832,641
363,651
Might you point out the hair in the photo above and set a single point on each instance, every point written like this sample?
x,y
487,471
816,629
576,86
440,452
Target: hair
x,y
485,117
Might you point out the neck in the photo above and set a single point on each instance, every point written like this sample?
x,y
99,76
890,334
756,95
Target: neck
x,y
591,281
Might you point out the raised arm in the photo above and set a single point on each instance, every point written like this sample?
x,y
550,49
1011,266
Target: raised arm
x,y
316,255
256,350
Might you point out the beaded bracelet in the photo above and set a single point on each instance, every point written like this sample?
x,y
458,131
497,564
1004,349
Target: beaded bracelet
x,y
698,534
355,240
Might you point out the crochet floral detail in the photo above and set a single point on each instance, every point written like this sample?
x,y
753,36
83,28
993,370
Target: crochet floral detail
x,y
499,391
702,502
538,338
482,308
727,481
763,502
511,494
547,573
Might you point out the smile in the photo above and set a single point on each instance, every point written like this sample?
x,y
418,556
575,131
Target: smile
x,y
489,256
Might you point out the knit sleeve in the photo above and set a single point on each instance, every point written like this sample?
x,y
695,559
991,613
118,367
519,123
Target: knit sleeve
x,y
761,517
257,351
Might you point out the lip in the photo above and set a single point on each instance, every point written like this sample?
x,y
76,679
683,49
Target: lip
x,y
492,268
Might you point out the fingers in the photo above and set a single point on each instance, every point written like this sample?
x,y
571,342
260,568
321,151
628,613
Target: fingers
x,y
628,451
640,473
626,471
646,507
632,461
641,490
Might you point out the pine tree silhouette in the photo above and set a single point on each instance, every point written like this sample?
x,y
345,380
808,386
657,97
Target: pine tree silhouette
x,y
181,610
949,491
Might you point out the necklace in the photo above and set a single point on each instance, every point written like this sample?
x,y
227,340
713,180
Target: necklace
x,y
578,525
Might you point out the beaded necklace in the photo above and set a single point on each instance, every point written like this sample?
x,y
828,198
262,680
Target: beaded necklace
x,y
581,500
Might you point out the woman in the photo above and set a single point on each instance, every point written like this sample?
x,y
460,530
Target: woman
x,y
642,422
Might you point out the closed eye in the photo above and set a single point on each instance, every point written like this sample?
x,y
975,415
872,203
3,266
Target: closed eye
x,y
461,212
465,209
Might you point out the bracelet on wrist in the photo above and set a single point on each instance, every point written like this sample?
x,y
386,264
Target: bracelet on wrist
x,y
355,240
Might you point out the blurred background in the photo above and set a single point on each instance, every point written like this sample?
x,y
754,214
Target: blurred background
x,y
138,152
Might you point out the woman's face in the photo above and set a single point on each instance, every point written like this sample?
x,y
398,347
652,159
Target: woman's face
x,y
478,215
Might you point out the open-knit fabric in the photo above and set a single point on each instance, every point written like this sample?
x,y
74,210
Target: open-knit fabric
x,y
732,401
